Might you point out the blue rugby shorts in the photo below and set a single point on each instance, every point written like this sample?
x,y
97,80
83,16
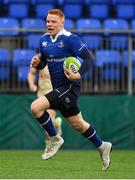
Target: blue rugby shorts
x,y
64,99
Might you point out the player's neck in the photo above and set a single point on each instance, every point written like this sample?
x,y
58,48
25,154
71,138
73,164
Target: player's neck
x,y
54,37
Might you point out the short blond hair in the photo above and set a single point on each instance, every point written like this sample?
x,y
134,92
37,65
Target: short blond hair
x,y
57,12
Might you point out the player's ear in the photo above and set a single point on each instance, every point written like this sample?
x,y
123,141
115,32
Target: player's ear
x,y
62,21
62,24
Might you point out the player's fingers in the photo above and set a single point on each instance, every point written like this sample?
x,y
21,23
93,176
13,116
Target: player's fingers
x,y
66,73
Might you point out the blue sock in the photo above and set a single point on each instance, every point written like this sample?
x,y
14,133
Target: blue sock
x,y
91,135
46,122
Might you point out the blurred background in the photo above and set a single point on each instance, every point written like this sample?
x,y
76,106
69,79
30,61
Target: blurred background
x,y
107,101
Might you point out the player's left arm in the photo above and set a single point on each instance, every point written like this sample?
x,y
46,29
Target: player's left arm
x,y
79,49
88,60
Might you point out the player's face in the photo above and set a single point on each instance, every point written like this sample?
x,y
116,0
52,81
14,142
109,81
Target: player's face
x,y
54,24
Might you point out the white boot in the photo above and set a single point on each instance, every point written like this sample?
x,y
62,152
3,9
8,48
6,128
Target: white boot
x,y
55,143
105,150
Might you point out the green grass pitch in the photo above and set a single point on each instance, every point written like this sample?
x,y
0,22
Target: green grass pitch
x,y
67,164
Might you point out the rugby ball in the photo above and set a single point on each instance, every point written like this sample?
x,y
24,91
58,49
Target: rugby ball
x,y
72,63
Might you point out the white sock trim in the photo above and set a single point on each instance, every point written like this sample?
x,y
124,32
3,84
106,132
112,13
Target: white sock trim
x,y
46,121
92,134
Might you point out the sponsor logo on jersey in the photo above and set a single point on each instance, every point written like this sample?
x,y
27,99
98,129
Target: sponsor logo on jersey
x,y
55,60
44,44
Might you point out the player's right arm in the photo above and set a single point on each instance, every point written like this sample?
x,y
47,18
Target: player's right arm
x,y
38,62
35,60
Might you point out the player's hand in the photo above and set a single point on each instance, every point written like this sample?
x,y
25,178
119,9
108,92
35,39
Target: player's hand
x,y
35,60
33,87
71,75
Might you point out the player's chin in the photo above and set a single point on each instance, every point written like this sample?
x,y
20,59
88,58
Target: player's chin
x,y
50,32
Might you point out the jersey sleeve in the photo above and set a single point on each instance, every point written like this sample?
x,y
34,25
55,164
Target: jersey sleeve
x,y
79,49
76,44
43,61
40,46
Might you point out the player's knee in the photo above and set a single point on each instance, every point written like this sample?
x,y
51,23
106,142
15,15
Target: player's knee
x,y
78,126
34,108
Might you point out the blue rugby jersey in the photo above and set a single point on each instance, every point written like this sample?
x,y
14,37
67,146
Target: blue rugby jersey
x,y
55,51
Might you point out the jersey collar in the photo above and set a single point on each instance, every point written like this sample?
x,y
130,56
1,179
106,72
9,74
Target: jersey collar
x,y
63,31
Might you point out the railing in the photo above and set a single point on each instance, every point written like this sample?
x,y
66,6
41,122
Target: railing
x,y
120,76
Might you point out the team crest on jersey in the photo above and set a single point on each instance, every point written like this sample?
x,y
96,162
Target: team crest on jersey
x,y
67,100
44,44
61,44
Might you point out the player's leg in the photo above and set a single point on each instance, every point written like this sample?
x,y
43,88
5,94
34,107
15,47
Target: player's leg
x,y
79,124
52,113
57,124
57,121
39,109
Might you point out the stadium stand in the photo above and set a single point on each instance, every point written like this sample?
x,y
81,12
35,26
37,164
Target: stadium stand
x,y
15,1
69,24
107,57
29,24
73,11
42,9
9,23
22,57
91,19
33,41
123,2
72,2
86,23
4,64
23,73
45,1
99,11
126,59
109,61
115,24
97,1
21,62
117,40
125,11
133,24
18,10
93,41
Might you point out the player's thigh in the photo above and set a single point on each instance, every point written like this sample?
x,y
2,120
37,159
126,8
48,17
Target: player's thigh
x,y
40,104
